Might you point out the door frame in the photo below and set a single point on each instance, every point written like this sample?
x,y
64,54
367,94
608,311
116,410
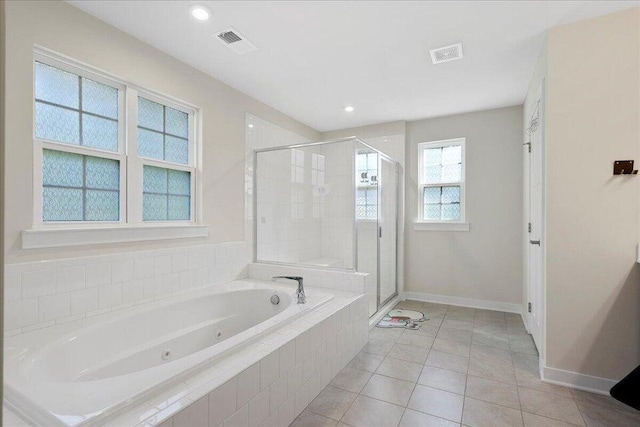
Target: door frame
x,y
540,288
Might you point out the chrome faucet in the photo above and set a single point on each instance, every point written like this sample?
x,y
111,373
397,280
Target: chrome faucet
x,y
300,291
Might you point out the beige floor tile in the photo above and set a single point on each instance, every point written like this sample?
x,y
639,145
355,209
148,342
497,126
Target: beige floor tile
x,y
530,378
454,334
483,414
459,315
484,353
389,389
416,340
493,391
309,419
368,412
428,328
600,416
332,402
378,347
549,405
386,334
490,314
409,353
523,344
452,347
460,325
351,379
532,420
491,339
602,400
443,379
492,371
409,305
400,369
436,402
451,362
366,361
412,418
489,328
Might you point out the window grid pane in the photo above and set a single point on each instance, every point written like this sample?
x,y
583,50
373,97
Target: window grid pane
x,y
163,132
441,203
166,194
79,188
442,164
74,110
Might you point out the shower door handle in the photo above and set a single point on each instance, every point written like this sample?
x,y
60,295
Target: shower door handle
x,y
380,232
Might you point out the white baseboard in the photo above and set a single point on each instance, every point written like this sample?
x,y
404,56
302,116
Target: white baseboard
x,y
576,380
383,311
465,302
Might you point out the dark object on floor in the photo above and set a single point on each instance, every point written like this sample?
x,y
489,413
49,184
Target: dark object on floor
x,y
627,390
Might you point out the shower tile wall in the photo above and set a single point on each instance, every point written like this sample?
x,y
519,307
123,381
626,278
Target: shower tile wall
x,y
306,199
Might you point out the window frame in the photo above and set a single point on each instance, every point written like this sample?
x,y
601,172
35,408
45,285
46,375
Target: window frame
x,y
131,165
422,184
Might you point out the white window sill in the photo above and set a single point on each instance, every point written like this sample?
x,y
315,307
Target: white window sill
x,y
441,226
59,237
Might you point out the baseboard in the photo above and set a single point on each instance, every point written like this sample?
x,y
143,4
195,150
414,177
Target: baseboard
x,y
465,302
576,380
383,311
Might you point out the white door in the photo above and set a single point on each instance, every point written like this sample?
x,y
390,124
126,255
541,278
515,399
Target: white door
x,y
535,306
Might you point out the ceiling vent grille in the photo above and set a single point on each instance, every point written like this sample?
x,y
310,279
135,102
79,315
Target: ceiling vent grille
x,y
236,41
446,53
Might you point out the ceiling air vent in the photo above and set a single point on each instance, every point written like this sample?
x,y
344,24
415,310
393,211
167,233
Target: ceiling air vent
x,y
446,53
236,41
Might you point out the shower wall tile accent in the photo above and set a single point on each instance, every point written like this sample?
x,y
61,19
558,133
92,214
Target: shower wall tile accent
x,y
45,293
268,383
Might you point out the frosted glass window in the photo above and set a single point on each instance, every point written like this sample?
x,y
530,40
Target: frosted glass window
x,y
74,110
442,164
79,188
166,194
442,180
367,203
367,169
441,203
163,132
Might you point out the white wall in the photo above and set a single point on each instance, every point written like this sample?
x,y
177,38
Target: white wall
x,y
593,218
486,262
66,30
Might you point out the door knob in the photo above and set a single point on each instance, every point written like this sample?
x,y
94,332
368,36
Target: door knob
x,y
534,242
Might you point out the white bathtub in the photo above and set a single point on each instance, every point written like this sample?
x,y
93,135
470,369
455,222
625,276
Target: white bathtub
x,y
86,371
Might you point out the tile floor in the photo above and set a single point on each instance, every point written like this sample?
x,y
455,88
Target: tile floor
x,y
464,366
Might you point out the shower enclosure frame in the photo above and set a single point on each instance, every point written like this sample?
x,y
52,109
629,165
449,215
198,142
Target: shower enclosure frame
x,y
381,155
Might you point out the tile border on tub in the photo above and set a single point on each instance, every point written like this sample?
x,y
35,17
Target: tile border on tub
x,y
267,378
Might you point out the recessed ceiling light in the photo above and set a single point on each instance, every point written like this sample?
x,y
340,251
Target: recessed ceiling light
x,y
201,13
349,109
250,125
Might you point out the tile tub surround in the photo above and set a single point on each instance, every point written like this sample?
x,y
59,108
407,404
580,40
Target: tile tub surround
x,y
268,383
347,281
466,367
45,293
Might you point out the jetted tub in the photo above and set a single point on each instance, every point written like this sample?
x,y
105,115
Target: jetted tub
x,y
86,371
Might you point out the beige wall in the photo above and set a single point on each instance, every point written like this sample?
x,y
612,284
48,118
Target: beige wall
x,y
593,218
486,262
67,30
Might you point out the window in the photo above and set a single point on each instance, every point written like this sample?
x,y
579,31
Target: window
x,y
441,170
367,186
99,159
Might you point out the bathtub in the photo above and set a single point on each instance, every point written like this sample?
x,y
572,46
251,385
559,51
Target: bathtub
x,y
89,371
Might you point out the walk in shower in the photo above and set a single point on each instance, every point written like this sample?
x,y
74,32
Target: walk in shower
x,y
330,205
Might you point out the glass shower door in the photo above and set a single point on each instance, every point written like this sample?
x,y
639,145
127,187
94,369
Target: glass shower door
x,y
387,230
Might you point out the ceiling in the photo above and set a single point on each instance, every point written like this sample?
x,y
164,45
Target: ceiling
x,y
315,57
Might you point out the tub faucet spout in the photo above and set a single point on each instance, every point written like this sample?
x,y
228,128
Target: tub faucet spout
x,y
300,291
